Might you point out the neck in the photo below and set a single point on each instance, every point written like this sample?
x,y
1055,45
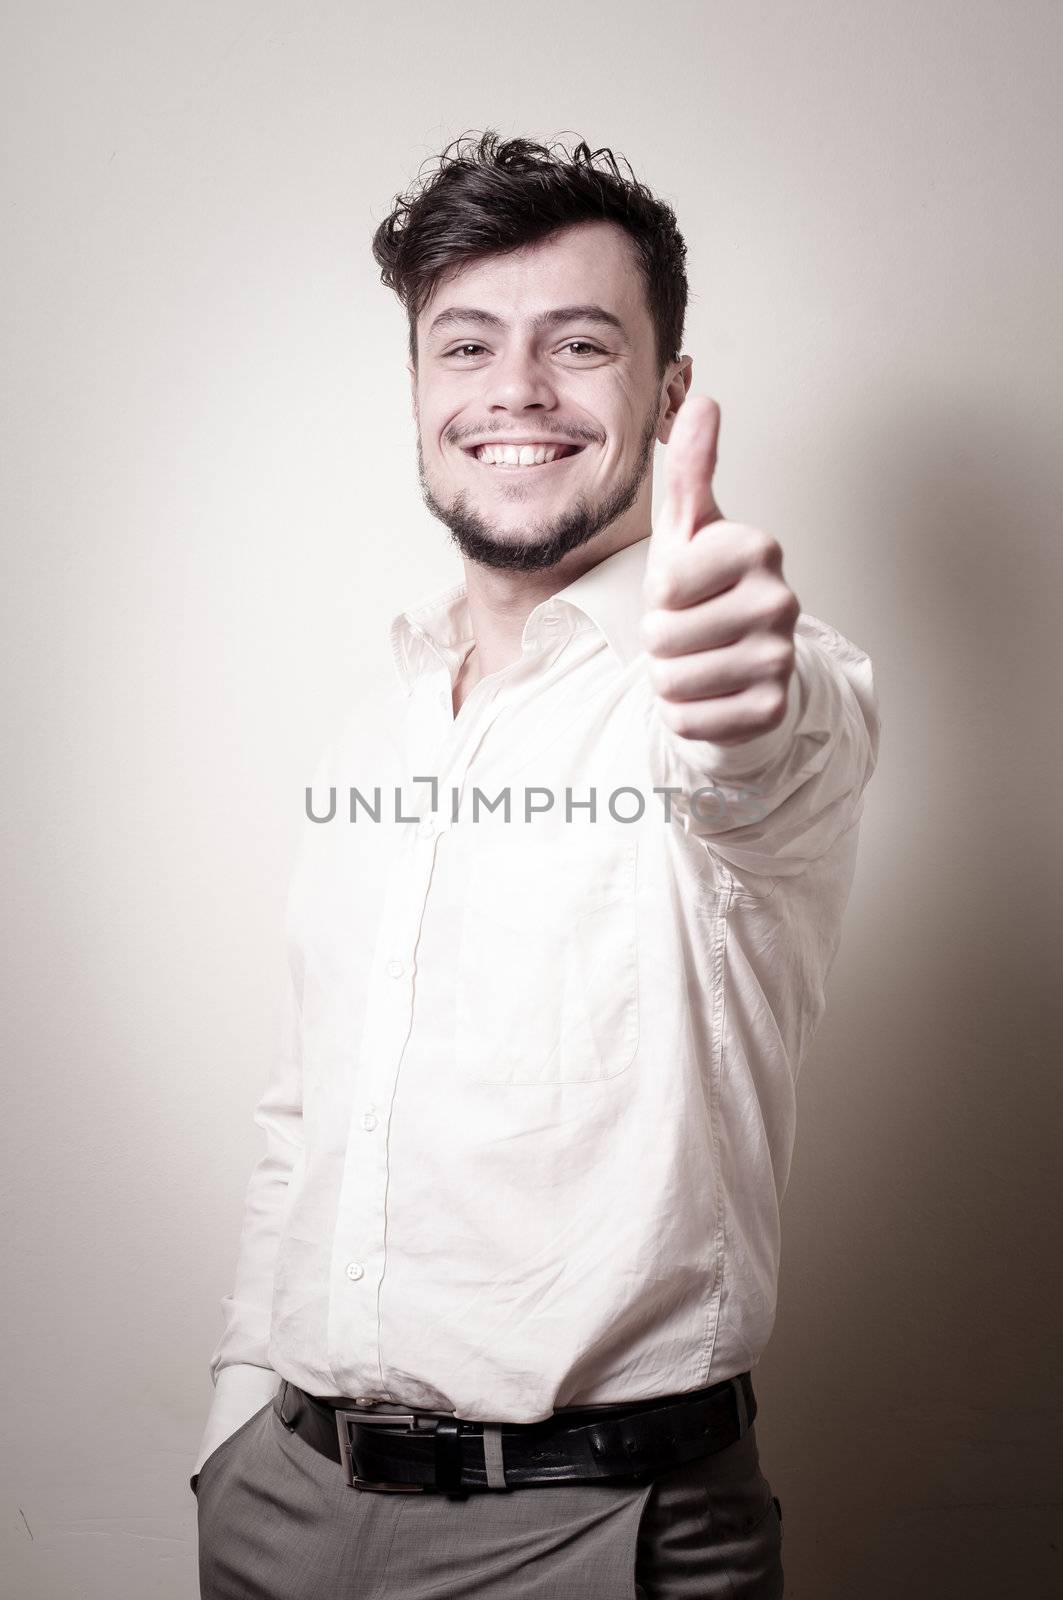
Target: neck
x,y
501,602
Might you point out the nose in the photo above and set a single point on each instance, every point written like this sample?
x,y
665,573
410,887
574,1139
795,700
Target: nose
x,y
519,381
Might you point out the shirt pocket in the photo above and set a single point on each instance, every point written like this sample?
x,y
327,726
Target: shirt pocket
x,y
547,972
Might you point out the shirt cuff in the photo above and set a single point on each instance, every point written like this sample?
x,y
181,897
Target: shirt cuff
x,y
239,1392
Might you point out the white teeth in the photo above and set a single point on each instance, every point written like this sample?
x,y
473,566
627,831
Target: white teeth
x,y
511,455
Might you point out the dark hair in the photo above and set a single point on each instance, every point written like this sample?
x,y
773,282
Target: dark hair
x,y
489,196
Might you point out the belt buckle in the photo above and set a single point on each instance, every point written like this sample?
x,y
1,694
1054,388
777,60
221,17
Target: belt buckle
x,y
381,1419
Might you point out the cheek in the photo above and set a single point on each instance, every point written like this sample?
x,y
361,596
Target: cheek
x,y
441,418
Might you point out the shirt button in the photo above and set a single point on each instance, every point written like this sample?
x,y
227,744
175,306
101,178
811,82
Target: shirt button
x,y
355,1270
427,828
369,1122
395,969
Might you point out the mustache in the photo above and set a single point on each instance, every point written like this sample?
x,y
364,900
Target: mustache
x,y
543,430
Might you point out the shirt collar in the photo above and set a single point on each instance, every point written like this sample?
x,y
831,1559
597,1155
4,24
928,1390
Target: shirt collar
x,y
608,596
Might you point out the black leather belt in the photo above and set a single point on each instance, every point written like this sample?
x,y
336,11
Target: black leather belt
x,y
418,1451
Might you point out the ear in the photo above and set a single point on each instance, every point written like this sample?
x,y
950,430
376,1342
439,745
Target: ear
x,y
413,389
676,391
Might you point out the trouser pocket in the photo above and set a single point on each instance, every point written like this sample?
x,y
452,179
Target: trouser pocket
x,y
221,1451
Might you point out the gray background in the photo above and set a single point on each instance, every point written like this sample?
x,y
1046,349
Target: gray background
x,y
210,512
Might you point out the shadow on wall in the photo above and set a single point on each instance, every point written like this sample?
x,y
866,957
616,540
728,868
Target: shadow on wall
x,y
911,1387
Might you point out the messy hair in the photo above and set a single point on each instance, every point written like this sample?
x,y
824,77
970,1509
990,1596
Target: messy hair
x,y
488,196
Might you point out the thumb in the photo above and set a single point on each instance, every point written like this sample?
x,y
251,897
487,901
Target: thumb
x,y
689,503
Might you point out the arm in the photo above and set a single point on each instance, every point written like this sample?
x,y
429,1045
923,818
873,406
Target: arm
x,y
768,709
243,1378
776,802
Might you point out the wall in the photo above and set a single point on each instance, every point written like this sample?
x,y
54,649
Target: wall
x,y
210,507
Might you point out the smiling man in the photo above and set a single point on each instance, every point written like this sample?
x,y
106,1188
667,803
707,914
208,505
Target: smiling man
x,y
600,457
513,1247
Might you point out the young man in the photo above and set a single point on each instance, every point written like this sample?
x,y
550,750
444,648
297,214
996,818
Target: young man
x,y
572,883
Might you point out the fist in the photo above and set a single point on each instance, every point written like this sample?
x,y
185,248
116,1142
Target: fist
x,y
719,620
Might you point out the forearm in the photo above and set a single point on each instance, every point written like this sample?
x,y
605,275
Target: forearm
x,y
239,1366
772,803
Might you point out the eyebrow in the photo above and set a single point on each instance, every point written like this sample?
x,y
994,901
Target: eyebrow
x,y
539,324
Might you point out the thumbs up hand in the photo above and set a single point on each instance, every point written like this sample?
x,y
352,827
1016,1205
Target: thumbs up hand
x,y
719,623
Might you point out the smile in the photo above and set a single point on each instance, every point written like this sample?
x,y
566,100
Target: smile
x,y
516,458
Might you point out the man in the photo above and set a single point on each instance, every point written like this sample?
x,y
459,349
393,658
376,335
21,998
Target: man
x,y
571,885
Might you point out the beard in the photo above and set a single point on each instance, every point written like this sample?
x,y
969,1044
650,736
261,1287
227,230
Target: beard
x,y
541,544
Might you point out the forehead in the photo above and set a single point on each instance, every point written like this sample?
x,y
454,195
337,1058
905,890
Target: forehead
x,y
588,262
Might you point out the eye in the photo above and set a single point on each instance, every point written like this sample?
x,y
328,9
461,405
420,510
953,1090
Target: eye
x,y
583,347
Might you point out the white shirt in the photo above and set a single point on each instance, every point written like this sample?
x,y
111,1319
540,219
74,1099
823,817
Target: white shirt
x,y
533,1115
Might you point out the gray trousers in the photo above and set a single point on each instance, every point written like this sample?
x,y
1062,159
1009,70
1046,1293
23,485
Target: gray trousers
x,y
277,1521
